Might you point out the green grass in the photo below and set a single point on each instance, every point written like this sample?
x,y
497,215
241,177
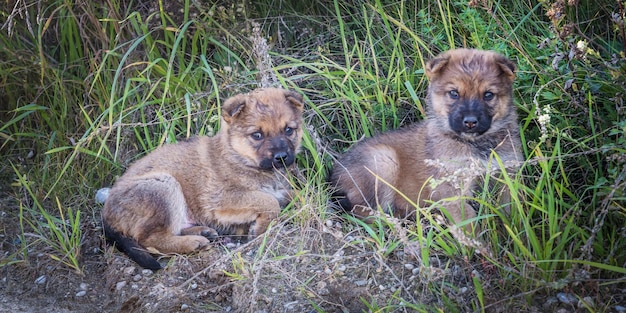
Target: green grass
x,y
90,88
61,232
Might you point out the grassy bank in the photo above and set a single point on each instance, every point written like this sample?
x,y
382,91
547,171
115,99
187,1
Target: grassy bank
x,y
88,87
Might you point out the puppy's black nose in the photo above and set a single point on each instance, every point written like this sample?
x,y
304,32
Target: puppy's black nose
x,y
280,156
470,121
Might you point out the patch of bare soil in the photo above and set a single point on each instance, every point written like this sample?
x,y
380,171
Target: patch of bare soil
x,y
292,269
329,266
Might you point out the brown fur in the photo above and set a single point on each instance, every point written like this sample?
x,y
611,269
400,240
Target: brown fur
x,y
181,195
446,144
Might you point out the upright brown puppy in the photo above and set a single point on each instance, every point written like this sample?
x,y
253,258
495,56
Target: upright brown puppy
x,y
470,115
181,195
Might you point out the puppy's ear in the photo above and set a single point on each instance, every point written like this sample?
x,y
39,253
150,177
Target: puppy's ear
x,y
507,66
436,65
233,106
295,98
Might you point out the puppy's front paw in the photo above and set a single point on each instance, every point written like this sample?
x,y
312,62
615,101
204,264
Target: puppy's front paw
x,y
199,243
204,231
209,233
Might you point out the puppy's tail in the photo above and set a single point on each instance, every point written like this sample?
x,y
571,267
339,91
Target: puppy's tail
x,y
132,248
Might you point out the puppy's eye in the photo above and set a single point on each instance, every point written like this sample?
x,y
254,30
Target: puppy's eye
x,y
288,131
488,96
256,136
454,94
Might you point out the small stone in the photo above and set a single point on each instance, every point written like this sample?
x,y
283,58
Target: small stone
x,y
329,223
620,308
130,270
567,298
231,245
462,290
382,287
328,271
341,268
361,283
184,307
120,285
83,286
338,225
409,266
137,277
102,194
134,287
41,280
147,272
81,293
193,286
415,271
476,274
274,290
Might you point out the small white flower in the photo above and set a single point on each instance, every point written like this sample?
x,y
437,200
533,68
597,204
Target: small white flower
x,y
543,118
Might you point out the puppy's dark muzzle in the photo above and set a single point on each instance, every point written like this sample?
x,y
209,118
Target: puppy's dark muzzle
x,y
470,117
280,159
470,122
280,155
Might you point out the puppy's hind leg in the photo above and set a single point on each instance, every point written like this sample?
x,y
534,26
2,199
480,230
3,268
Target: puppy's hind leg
x,y
165,224
367,179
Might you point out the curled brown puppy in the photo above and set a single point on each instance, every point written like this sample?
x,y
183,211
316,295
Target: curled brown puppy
x,y
179,196
470,115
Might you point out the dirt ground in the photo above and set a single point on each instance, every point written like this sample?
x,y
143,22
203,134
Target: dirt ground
x,y
296,269
323,271
328,266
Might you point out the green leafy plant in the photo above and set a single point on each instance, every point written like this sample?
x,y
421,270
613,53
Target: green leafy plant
x,y
62,234
379,236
